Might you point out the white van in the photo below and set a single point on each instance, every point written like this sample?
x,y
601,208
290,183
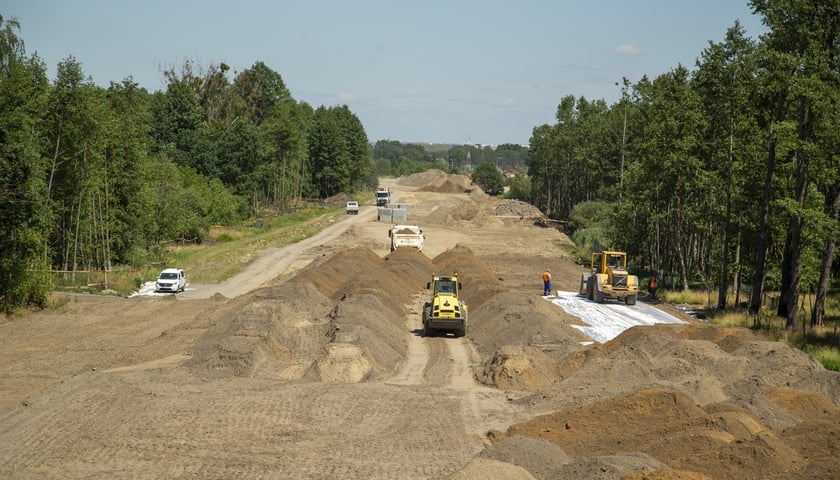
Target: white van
x,y
171,280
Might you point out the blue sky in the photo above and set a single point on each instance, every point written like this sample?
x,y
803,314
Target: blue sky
x,y
456,71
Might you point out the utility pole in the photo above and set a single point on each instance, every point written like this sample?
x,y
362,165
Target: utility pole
x,y
468,167
625,83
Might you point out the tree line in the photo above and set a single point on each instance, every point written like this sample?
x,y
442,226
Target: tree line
x,y
727,175
392,157
92,177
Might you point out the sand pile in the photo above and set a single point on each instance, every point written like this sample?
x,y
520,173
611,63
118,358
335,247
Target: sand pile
x,y
366,340
456,211
338,200
675,396
480,283
515,208
341,319
517,367
670,427
367,325
423,179
276,332
683,357
511,318
439,181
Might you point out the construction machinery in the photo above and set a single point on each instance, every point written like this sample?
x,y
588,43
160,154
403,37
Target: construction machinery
x,y
406,236
609,279
444,313
383,196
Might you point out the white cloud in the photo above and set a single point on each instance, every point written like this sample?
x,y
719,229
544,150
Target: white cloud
x,y
628,49
508,101
346,97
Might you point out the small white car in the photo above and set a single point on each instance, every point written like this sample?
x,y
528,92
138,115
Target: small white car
x,y
352,207
171,280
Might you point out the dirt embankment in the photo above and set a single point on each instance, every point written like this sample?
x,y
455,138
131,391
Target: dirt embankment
x,y
326,375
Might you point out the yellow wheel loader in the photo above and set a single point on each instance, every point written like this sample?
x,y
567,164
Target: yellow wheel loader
x,y
444,313
609,279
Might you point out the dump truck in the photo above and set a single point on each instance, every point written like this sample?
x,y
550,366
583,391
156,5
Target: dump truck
x,y
406,236
609,279
445,313
383,196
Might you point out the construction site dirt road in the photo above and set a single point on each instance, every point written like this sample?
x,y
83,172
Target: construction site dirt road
x,y
312,365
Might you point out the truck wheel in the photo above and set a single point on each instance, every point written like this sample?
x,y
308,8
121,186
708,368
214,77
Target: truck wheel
x,y
599,297
428,332
630,299
590,289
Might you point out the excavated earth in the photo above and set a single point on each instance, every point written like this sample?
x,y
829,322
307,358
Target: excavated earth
x,y
323,373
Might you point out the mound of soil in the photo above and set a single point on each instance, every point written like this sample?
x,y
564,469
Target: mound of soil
x,y
515,367
366,340
539,457
439,181
482,469
516,208
340,320
670,427
673,393
511,318
276,332
338,200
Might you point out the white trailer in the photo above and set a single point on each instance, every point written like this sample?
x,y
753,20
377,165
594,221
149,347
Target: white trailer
x,y
406,236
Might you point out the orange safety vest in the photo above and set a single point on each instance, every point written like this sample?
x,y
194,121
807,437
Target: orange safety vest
x,y
652,283
546,277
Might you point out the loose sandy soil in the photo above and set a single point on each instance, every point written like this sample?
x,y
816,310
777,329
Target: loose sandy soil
x,y
311,366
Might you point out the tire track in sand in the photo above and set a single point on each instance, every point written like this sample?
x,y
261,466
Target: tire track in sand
x,y
448,363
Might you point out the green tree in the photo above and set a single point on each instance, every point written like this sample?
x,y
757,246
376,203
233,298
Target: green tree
x,y
590,221
573,160
668,189
239,151
541,164
283,176
127,206
79,124
509,155
487,176
724,80
330,155
339,151
179,129
801,67
24,218
361,162
256,91
520,188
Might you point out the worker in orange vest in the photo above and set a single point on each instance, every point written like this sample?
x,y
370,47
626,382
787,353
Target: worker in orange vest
x,y
546,283
652,285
